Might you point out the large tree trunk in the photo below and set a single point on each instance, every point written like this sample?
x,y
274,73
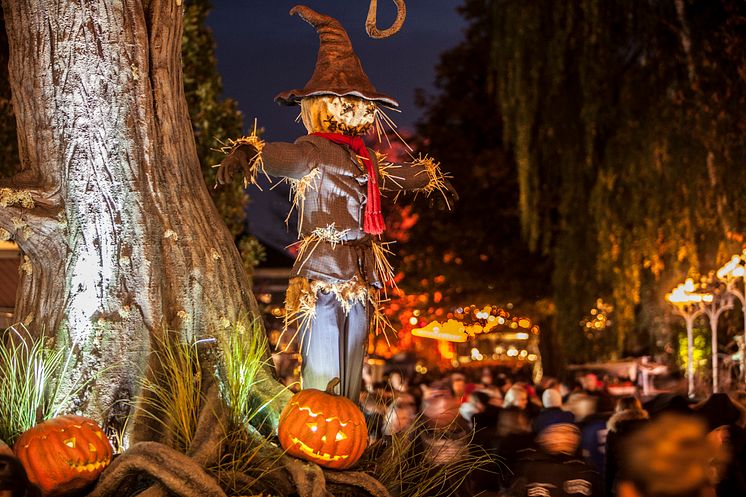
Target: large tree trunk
x,y
122,238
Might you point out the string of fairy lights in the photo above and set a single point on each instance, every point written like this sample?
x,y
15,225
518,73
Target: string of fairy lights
x,y
597,320
468,322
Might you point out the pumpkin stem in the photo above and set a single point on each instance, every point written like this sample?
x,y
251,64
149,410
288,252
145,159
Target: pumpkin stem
x,y
332,383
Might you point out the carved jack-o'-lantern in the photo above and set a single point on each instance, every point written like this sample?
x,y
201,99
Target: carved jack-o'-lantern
x,y
323,428
64,454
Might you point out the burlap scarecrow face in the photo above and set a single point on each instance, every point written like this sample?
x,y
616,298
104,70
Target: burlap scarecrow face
x,y
331,114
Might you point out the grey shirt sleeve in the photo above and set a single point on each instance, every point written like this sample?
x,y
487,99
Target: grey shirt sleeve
x,y
290,160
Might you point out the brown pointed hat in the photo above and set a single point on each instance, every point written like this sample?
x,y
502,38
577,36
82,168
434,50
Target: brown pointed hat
x,y
338,70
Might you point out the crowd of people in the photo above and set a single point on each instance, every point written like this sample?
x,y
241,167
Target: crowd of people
x,y
500,435
554,439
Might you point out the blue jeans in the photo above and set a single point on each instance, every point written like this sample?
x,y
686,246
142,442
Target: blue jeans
x,y
334,346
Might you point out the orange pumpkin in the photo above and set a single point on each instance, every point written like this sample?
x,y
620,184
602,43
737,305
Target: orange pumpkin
x,y
323,428
64,454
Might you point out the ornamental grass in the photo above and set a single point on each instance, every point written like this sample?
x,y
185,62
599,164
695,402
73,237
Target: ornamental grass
x,y
30,369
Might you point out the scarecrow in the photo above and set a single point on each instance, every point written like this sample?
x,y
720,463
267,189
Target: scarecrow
x,y
334,292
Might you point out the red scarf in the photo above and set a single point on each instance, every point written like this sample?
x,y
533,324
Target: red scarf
x,y
374,223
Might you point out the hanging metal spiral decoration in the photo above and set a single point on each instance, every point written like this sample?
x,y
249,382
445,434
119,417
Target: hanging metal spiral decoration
x,y
371,21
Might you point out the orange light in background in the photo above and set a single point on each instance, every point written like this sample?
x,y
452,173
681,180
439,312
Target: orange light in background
x,y
446,350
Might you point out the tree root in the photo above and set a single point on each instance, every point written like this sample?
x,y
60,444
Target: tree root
x,y
206,446
151,469
268,392
356,479
308,478
175,474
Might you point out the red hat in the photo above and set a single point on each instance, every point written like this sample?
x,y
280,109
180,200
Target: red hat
x,y
338,70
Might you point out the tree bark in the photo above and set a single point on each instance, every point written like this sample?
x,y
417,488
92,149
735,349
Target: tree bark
x,y
123,240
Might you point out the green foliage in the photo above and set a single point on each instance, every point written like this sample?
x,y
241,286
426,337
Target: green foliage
x,y
701,350
28,370
621,116
173,392
244,352
173,397
8,138
252,252
213,118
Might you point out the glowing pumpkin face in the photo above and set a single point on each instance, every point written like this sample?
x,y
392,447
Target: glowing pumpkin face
x,y
64,454
323,428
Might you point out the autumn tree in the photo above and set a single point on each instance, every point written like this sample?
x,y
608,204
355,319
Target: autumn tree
x,y
475,252
212,117
623,124
120,237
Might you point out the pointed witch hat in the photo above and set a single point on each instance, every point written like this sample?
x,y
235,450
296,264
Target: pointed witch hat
x,y
338,70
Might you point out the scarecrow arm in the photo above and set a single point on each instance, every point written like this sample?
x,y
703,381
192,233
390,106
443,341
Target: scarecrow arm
x,y
422,175
290,160
254,156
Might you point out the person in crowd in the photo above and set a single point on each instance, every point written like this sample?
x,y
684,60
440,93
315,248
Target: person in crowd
x,y
503,383
552,413
592,424
595,388
374,408
400,415
724,419
553,469
484,420
458,385
668,457
484,424
397,383
513,434
486,379
581,405
628,417
487,385
516,397
440,406
472,406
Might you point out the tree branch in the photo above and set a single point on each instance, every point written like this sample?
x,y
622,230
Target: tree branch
x,y
28,210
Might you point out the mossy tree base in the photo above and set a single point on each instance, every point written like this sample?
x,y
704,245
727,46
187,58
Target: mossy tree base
x,y
120,237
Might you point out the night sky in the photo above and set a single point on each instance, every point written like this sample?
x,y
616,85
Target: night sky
x,y
262,51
